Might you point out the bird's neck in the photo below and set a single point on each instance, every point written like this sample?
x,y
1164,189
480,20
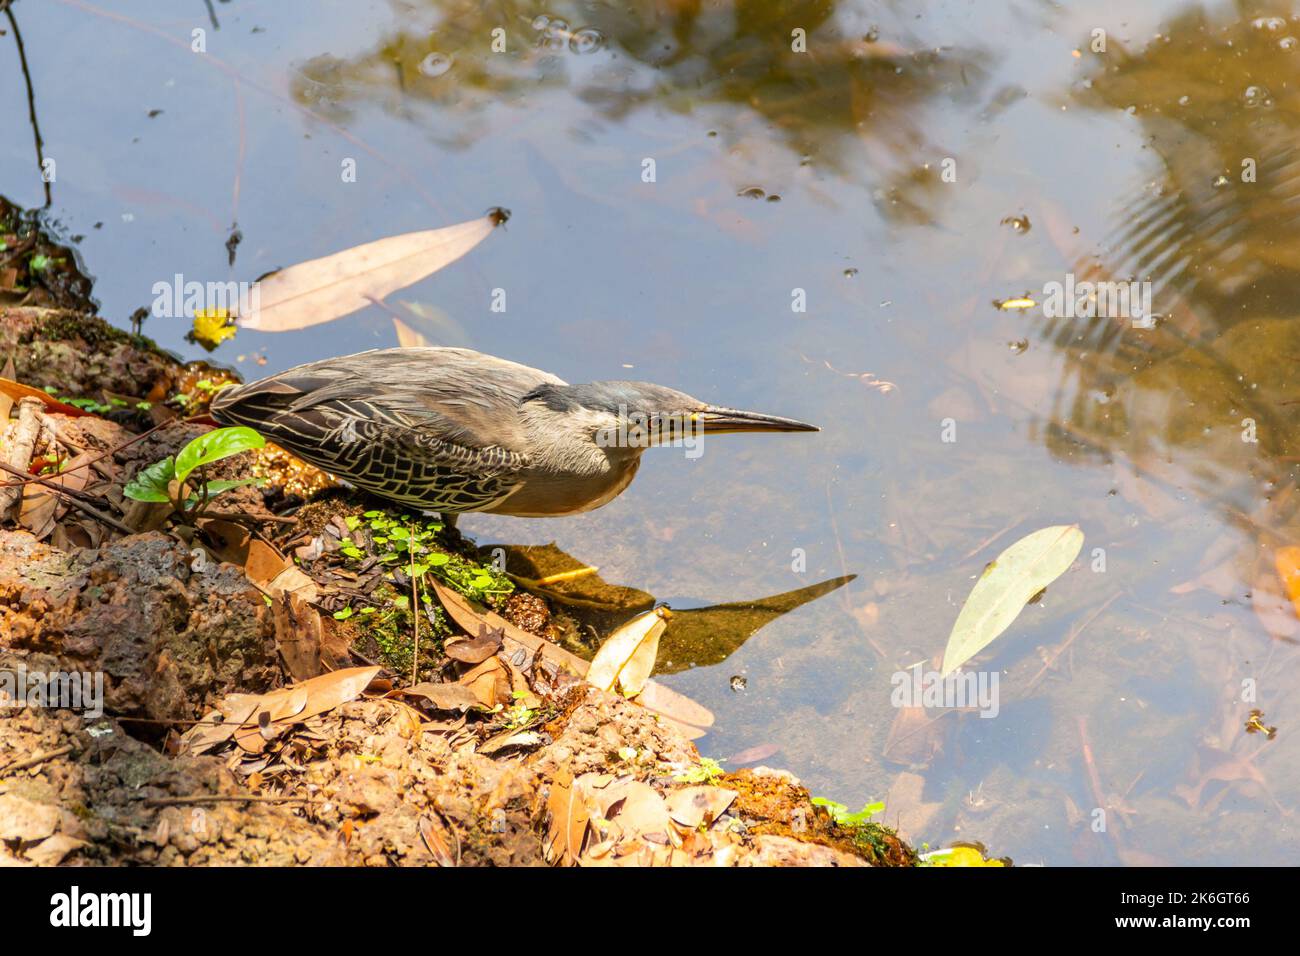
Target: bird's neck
x,y
562,442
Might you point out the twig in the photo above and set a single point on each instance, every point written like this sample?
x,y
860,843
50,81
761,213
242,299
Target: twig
x,y
844,569
215,798
38,759
415,611
168,721
31,101
1094,781
239,516
67,496
1051,661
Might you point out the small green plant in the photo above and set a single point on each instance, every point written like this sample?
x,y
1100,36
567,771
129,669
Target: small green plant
x,y
517,715
405,542
841,815
869,836
181,481
707,771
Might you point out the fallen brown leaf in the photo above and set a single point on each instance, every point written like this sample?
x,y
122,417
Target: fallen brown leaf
x,y
696,806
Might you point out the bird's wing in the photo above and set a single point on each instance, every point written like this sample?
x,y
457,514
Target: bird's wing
x,y
431,426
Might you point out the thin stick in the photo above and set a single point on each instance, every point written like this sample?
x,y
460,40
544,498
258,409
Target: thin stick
x,y
215,798
31,101
1094,782
238,516
1069,640
168,721
71,499
415,611
38,759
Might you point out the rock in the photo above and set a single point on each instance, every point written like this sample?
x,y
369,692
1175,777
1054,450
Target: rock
x,y
82,355
787,851
168,641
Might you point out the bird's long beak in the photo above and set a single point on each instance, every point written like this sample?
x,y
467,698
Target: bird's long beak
x,y
717,420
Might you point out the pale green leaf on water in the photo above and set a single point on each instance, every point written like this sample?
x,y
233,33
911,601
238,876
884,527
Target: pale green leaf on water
x,y
1006,586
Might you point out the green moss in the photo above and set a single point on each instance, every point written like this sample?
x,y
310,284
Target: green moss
x,y
386,632
94,331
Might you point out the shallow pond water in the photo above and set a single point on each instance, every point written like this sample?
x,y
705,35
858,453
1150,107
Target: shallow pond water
x,y
826,236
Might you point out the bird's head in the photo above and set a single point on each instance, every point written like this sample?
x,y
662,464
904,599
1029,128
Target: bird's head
x,y
640,415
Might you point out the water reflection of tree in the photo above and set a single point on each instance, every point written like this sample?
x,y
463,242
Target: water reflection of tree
x,y
683,55
1223,254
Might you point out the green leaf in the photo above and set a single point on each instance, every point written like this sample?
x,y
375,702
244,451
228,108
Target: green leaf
x,y
836,808
150,484
1006,586
438,559
343,615
225,484
214,446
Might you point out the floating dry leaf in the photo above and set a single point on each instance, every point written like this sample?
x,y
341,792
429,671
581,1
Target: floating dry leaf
x,y
753,754
1006,586
963,854
320,290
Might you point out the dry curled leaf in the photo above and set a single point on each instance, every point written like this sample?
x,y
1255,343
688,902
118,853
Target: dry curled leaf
x,y
628,656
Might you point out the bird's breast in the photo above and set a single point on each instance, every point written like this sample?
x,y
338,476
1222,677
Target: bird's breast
x,y
544,494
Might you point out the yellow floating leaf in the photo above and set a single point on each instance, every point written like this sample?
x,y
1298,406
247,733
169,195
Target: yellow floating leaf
x,y
212,327
963,856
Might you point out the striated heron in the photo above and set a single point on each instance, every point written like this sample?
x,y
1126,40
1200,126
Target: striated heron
x,y
453,430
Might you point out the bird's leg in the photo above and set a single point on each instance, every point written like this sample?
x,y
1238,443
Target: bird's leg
x,y
449,519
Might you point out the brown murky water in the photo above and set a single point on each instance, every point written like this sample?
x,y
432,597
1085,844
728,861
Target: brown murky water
x,y
900,176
